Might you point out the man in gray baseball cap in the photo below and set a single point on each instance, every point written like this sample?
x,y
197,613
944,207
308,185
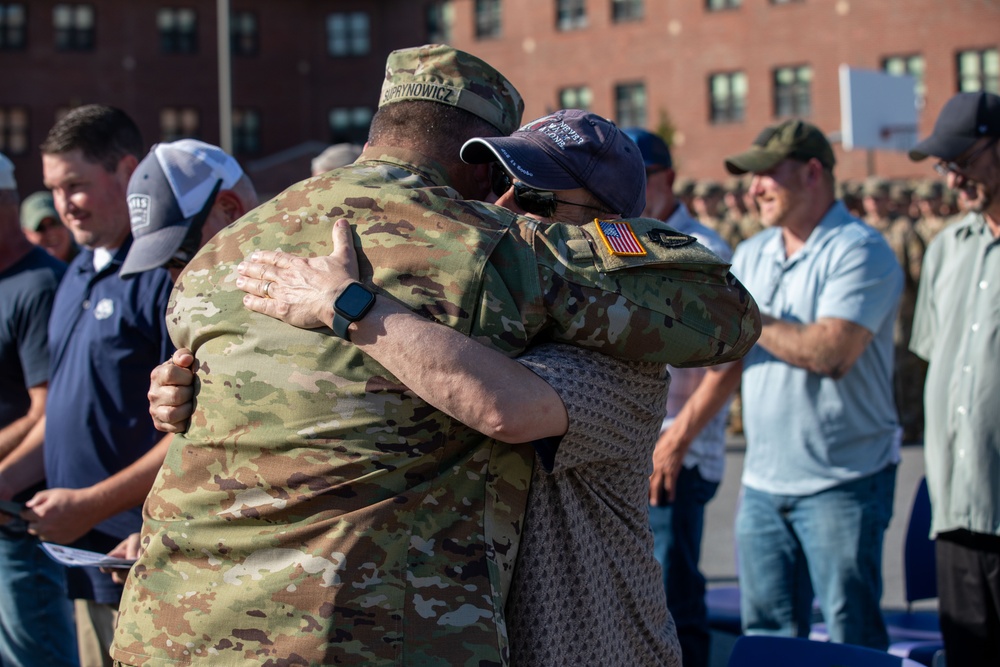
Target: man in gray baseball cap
x,y
956,329
180,196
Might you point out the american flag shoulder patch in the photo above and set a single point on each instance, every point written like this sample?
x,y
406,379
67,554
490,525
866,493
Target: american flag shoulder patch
x,y
619,238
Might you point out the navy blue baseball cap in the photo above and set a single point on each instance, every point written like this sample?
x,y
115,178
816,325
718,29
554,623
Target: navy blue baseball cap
x,y
964,119
655,152
570,149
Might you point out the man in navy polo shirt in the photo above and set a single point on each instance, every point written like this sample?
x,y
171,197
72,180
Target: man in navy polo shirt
x,y
101,452
36,621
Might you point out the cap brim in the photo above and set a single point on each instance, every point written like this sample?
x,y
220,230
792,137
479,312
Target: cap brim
x,y
523,158
153,250
753,161
942,147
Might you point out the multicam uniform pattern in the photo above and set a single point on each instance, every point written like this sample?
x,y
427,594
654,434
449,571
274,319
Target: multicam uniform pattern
x,y
317,511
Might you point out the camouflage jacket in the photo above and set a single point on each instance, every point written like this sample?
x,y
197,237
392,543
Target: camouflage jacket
x,y
317,511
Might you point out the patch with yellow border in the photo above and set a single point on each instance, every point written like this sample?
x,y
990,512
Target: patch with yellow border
x,y
619,238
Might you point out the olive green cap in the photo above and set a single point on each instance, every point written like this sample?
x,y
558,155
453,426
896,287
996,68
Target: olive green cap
x,y
439,73
35,208
794,139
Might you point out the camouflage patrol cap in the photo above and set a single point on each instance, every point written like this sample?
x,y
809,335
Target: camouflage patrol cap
x,y
929,190
703,189
875,187
794,139
439,73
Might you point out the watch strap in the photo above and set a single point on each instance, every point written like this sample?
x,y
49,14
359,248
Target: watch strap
x,y
341,326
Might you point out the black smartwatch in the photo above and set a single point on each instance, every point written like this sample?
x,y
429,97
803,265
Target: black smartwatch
x,y
351,304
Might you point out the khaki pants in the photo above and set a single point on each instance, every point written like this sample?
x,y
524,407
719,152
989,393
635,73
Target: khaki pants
x,y
95,629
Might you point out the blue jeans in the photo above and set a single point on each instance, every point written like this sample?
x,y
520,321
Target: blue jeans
x,y
36,617
677,529
830,543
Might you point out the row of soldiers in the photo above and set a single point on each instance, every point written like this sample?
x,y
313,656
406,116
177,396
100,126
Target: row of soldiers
x,y
908,213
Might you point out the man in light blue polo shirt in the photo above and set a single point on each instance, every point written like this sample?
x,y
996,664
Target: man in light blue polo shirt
x,y
820,422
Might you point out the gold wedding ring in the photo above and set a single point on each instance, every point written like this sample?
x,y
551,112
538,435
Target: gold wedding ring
x,y
267,289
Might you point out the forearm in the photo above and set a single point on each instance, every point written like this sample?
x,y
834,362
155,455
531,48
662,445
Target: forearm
x,y
128,487
12,434
470,382
825,347
15,432
708,398
24,467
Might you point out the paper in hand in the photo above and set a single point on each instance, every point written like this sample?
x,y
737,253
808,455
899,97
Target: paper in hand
x,y
71,557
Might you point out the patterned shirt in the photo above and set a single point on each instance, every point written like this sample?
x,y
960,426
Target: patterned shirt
x,y
587,589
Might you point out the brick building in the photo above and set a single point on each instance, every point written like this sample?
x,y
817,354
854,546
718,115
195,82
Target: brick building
x,y
307,73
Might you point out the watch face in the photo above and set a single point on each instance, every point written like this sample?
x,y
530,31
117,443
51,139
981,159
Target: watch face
x,y
353,301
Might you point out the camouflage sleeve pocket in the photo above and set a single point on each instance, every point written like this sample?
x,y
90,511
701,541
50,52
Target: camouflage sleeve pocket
x,y
639,242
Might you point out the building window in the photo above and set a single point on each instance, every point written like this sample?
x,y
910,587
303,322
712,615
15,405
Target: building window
x,y
350,124
440,19
578,97
347,34
487,19
626,10
74,27
178,30
571,14
979,70
727,96
719,5
12,26
179,123
792,91
630,105
243,34
246,131
912,65
13,130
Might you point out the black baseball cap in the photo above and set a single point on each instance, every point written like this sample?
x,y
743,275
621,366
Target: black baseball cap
x,y
964,119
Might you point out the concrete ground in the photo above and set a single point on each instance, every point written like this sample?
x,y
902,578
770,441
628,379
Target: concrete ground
x,y
718,552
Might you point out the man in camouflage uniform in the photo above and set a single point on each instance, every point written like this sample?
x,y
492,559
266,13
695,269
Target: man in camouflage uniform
x,y
708,209
906,244
328,514
930,200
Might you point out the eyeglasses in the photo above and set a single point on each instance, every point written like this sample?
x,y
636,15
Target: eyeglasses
x,y
945,168
538,202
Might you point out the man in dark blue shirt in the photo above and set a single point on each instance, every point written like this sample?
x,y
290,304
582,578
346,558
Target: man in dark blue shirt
x,y
101,452
36,622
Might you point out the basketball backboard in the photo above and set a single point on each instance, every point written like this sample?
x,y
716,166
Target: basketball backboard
x,y
878,111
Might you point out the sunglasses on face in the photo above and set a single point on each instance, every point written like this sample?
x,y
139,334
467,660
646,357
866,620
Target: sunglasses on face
x,y
542,203
956,167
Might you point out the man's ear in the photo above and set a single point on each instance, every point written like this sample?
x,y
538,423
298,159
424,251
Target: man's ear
x,y
230,205
671,176
123,171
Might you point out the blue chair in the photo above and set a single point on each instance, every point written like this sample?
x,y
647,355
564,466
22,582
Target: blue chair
x,y
912,634
917,634
724,609
764,651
